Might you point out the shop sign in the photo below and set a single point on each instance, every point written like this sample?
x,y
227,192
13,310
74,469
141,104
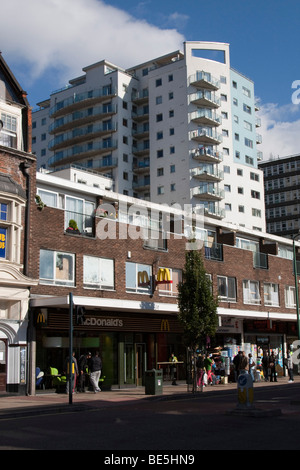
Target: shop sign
x,y
230,325
103,322
165,325
164,276
2,242
143,279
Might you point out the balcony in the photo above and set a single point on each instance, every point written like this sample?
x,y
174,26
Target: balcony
x,y
207,173
142,148
141,114
140,97
81,134
207,155
79,118
82,100
85,223
214,252
208,192
141,166
142,184
81,152
206,117
203,79
260,260
141,132
214,211
205,98
206,136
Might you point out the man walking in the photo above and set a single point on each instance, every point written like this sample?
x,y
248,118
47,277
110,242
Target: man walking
x,y
95,368
83,370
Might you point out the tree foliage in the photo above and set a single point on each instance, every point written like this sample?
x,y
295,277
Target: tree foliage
x,y
196,303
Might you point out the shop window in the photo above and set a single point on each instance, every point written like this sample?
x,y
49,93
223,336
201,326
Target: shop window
x,y
227,288
138,278
98,273
57,268
251,292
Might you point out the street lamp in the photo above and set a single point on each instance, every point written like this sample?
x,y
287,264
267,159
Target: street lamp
x,y
296,283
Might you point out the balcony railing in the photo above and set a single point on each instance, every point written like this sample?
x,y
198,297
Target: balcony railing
x,y
203,79
260,260
214,252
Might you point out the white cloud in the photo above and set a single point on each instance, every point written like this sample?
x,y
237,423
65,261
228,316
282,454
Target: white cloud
x,y
280,130
68,35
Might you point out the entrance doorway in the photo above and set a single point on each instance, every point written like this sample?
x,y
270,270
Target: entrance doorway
x,y
3,374
135,360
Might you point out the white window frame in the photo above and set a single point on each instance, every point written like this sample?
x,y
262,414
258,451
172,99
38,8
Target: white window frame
x,y
251,292
224,281
102,275
271,294
54,280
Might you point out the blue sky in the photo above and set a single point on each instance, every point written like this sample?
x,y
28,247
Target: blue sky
x,y
63,36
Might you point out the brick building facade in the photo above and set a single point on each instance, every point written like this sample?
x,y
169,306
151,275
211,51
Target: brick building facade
x,y
134,325
17,190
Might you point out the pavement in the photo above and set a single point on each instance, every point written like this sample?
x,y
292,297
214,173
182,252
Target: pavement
x,y
45,402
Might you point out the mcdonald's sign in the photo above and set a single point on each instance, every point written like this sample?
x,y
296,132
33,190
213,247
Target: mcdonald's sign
x,y
143,279
164,276
41,318
164,325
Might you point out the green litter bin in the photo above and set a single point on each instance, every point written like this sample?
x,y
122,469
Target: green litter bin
x,y
153,382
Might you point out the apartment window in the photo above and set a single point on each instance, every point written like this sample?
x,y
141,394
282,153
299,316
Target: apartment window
x,y
240,190
247,108
226,169
138,278
223,97
160,190
255,194
239,172
251,292
227,188
172,169
227,288
271,294
172,131
256,212
290,297
158,100
172,187
8,135
171,113
159,117
235,101
249,160
171,95
237,154
249,143
228,207
234,84
248,126
160,153
98,273
246,91
254,176
48,197
172,150
158,82
237,136
242,209
159,135
170,78
160,172
81,211
57,268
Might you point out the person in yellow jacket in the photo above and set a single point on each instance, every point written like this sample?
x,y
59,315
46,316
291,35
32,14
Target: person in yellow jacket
x,y
173,359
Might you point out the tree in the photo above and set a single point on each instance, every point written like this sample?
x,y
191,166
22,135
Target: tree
x,y
196,303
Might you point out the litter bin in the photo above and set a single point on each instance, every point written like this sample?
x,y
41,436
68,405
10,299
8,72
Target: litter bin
x,y
153,382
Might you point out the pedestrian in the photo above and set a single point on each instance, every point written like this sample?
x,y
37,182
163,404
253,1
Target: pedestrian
x,y
173,359
266,364
272,364
95,368
208,363
83,370
251,366
236,363
74,372
200,371
290,367
244,364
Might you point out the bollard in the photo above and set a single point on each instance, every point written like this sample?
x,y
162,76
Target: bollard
x,y
245,390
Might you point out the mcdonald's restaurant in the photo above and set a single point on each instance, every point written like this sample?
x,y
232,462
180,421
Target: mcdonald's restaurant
x,y
131,336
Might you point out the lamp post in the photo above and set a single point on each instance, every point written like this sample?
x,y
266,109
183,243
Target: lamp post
x,y
296,283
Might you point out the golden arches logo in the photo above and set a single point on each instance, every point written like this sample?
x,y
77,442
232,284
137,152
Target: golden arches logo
x,y
164,276
143,279
164,325
41,319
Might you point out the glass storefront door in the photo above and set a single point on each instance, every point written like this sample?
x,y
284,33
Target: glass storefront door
x,y
135,360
